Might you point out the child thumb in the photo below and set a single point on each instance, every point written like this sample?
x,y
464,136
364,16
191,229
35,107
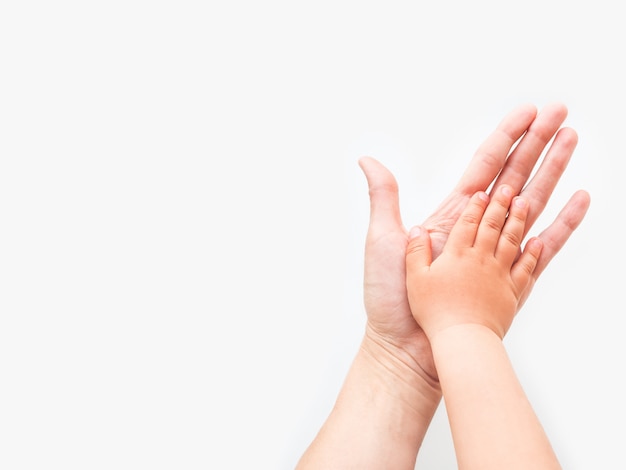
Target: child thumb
x,y
418,250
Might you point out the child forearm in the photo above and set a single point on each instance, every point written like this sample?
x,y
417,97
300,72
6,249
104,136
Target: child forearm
x,y
492,422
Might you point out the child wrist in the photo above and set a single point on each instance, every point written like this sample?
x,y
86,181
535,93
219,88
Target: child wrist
x,y
455,330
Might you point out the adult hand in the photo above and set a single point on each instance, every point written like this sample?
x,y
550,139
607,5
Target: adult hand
x,y
497,161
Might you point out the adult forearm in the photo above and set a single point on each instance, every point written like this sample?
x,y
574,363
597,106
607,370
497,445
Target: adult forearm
x,y
379,419
492,422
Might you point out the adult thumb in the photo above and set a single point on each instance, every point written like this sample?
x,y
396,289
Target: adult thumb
x,y
383,192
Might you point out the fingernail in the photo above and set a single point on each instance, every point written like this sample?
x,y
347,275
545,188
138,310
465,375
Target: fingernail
x,y
415,232
507,191
520,202
536,243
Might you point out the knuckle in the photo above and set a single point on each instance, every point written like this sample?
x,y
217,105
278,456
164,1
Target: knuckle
x,y
492,224
470,218
512,238
529,266
416,248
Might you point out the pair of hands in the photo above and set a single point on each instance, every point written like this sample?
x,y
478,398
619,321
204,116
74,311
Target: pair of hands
x,y
497,163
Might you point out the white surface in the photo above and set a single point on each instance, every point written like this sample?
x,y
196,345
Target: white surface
x,y
182,216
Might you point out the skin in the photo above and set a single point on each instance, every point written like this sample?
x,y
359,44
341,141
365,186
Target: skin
x,y
392,389
478,279
465,301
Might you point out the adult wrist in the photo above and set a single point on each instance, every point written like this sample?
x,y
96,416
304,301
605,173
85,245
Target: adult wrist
x,y
395,368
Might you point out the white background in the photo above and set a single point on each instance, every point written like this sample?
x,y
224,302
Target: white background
x,y
182,216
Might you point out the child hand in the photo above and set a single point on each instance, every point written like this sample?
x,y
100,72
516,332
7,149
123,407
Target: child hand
x,y
476,279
